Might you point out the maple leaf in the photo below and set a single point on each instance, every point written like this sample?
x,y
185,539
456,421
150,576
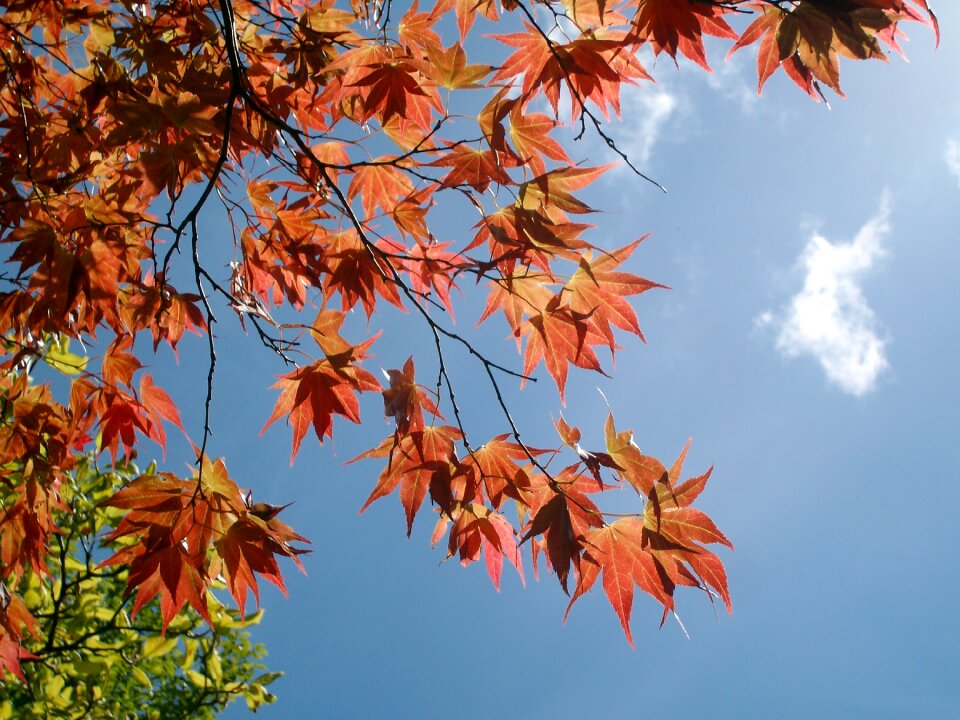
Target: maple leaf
x,y
618,551
164,567
518,296
807,41
478,530
594,65
405,400
379,184
570,435
119,365
357,274
520,239
150,494
166,312
554,189
396,88
596,288
120,420
167,508
448,68
560,336
410,216
529,133
500,464
553,521
679,25
562,513
186,111
15,622
312,395
415,29
249,548
414,461
175,522
475,167
676,532
431,268
642,472
163,561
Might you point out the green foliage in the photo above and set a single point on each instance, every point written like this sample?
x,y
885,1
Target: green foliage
x,y
91,660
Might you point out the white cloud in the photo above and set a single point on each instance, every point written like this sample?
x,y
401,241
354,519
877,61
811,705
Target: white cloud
x,y
952,157
829,319
647,109
733,79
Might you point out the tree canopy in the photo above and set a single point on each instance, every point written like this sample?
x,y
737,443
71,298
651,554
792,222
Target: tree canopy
x,y
336,141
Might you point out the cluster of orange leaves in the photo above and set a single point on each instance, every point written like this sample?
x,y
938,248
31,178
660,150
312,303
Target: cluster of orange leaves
x,y
656,550
328,132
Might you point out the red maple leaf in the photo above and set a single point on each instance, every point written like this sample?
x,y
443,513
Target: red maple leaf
x,y
414,462
15,622
530,135
478,530
501,466
358,274
594,65
249,548
312,395
641,471
431,268
164,516
561,336
379,184
618,551
679,25
396,88
405,400
598,289
562,513
475,167
448,68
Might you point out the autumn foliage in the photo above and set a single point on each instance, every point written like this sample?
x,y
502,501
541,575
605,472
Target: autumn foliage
x,y
329,135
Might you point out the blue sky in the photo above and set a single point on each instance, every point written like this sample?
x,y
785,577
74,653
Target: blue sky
x,y
809,345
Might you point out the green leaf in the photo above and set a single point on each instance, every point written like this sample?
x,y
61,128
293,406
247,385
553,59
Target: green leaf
x,y
197,679
141,677
157,646
214,667
59,358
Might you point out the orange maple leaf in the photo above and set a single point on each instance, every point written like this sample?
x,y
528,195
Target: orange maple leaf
x,y
414,462
405,400
312,395
15,622
618,550
599,289
476,530
679,25
249,548
561,336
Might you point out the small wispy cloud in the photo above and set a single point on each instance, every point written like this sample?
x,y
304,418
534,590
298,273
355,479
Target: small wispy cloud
x,y
829,319
735,80
647,109
952,156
